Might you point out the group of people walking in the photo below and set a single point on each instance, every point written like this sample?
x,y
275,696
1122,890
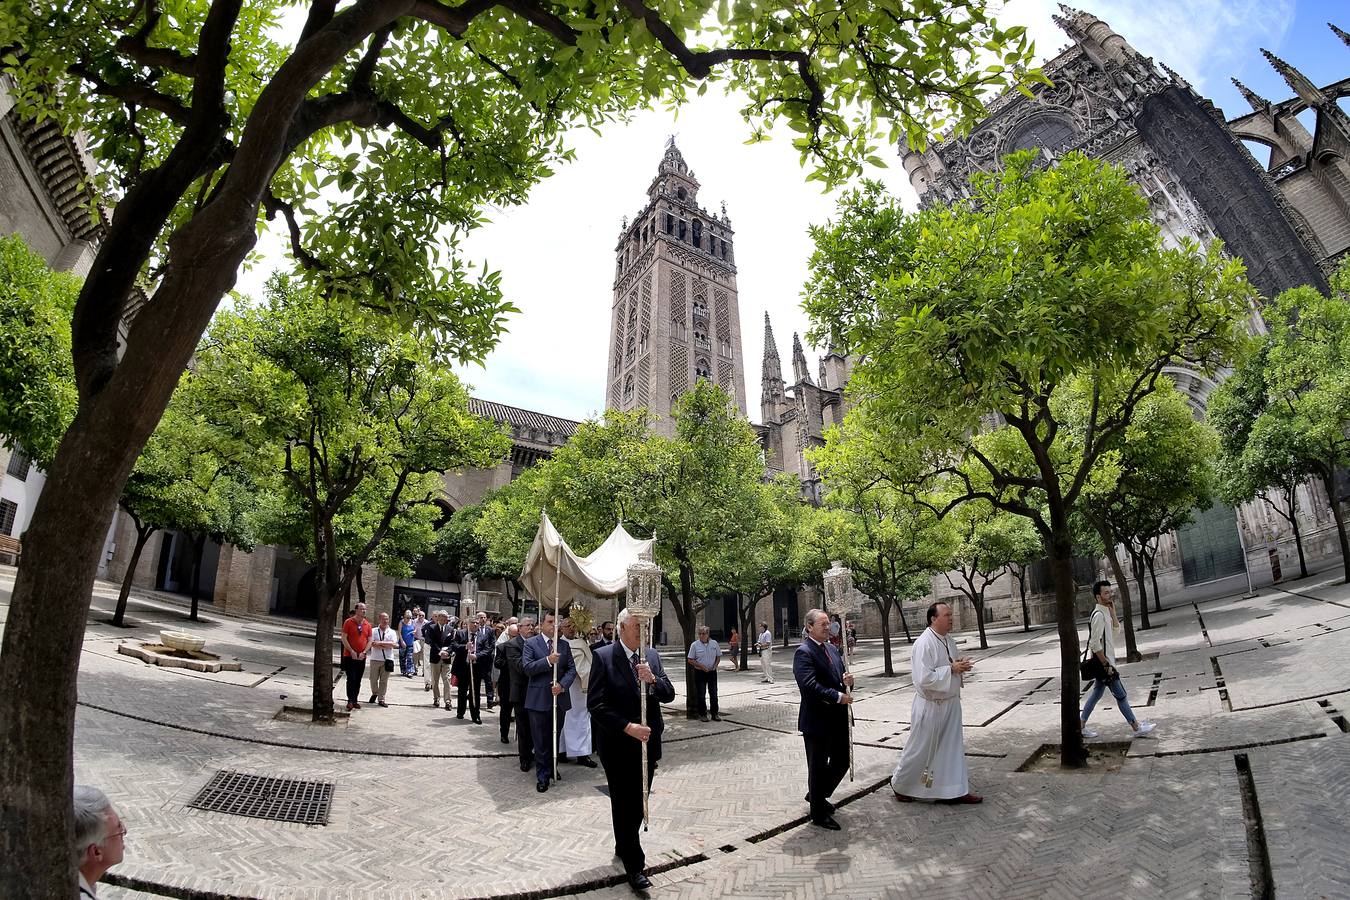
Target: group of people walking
x,y
525,665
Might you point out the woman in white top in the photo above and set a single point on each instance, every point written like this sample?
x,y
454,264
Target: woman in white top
x,y
1102,644
383,657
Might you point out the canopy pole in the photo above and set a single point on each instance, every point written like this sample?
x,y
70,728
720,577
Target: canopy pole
x,y
557,578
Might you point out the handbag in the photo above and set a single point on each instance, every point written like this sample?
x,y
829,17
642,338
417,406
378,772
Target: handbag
x,y
1091,668
389,665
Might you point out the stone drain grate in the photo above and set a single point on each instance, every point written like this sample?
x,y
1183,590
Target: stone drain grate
x,y
262,797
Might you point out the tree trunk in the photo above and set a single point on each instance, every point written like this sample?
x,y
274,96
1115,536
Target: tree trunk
x,y
1329,482
904,623
1072,753
1022,595
1298,533
143,533
1131,649
1137,569
198,546
683,605
1151,558
977,601
328,591
884,607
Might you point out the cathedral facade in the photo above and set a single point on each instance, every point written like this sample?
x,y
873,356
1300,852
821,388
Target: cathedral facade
x,y
1287,217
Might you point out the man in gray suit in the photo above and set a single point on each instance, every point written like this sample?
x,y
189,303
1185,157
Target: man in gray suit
x,y
541,653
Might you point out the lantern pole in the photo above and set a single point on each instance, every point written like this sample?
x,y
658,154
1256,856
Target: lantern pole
x,y
644,604
840,599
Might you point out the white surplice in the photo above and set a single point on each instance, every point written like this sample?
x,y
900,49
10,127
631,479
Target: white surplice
x,y
575,738
935,744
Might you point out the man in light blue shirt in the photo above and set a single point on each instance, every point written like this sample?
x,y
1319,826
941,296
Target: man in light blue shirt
x,y
703,656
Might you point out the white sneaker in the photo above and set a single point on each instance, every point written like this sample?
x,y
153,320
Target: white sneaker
x,y
1144,729
1089,733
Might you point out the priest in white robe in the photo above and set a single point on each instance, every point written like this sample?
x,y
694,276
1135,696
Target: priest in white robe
x,y
933,764
574,741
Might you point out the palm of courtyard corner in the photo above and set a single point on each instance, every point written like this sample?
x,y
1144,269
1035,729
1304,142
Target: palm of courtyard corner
x,y
1239,790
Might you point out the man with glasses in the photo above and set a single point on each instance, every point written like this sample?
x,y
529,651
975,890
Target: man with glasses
x,y
99,836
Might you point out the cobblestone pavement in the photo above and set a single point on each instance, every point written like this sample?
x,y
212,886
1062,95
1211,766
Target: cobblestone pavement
x,y
1239,793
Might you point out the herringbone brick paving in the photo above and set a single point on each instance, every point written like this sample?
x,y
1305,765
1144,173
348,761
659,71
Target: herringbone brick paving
x,y
419,794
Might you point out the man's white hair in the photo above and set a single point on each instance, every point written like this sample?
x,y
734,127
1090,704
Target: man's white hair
x,y
623,616
91,817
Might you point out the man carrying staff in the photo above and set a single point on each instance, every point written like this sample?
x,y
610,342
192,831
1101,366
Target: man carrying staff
x,y
933,764
542,653
614,700
822,718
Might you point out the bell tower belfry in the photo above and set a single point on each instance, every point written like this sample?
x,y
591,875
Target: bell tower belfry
x,y
676,315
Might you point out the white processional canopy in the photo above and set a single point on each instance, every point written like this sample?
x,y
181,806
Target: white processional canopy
x,y
604,573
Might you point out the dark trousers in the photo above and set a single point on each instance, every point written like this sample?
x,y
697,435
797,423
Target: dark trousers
x,y
705,680
482,675
541,729
504,714
524,733
623,771
355,670
826,765
468,693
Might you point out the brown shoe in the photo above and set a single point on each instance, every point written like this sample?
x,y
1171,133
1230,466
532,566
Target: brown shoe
x,y
904,798
968,798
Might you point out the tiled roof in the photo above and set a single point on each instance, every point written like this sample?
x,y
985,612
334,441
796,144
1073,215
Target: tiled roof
x,y
522,418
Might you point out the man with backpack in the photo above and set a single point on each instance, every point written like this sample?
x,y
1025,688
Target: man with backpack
x,y
1101,644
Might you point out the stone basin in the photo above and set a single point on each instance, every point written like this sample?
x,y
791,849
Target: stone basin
x,y
181,640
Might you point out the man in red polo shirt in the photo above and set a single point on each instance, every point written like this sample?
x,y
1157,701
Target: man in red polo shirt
x,y
355,644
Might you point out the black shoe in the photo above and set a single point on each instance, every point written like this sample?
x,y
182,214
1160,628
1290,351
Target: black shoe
x,y
703,718
585,761
477,721
505,739
829,807
460,716
382,703
524,767
716,717
541,786
827,823
639,882
562,758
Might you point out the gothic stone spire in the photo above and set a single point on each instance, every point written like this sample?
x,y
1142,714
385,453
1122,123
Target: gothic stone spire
x,y
1308,92
1255,100
772,379
1345,38
801,374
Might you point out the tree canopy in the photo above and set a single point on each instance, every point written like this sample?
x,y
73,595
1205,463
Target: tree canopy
x,y
37,383
969,323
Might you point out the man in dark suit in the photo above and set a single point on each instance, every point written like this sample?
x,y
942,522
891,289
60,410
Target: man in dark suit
x,y
466,641
615,703
606,636
822,718
502,667
511,657
541,653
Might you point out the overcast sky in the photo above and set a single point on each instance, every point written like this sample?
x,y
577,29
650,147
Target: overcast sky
x,y
556,253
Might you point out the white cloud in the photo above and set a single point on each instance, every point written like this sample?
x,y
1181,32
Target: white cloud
x,y
1201,39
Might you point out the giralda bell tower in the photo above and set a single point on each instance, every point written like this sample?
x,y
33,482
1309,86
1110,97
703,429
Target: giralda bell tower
x,y
675,316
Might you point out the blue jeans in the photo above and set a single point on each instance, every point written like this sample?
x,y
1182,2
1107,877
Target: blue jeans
x,y
405,657
1117,691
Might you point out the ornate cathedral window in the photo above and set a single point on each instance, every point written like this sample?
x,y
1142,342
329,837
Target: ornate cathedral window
x,y
628,388
1046,132
702,369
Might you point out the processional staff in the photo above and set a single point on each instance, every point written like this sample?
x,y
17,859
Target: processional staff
x,y
841,599
644,604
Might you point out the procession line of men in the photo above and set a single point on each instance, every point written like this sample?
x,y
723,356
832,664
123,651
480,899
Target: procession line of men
x,y
557,687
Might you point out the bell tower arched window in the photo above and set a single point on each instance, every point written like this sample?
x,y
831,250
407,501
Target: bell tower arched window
x,y
702,368
698,232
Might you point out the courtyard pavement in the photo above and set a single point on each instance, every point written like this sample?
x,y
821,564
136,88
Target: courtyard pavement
x,y
1240,792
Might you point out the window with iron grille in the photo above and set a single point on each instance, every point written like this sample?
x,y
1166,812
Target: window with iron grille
x,y
18,464
9,511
